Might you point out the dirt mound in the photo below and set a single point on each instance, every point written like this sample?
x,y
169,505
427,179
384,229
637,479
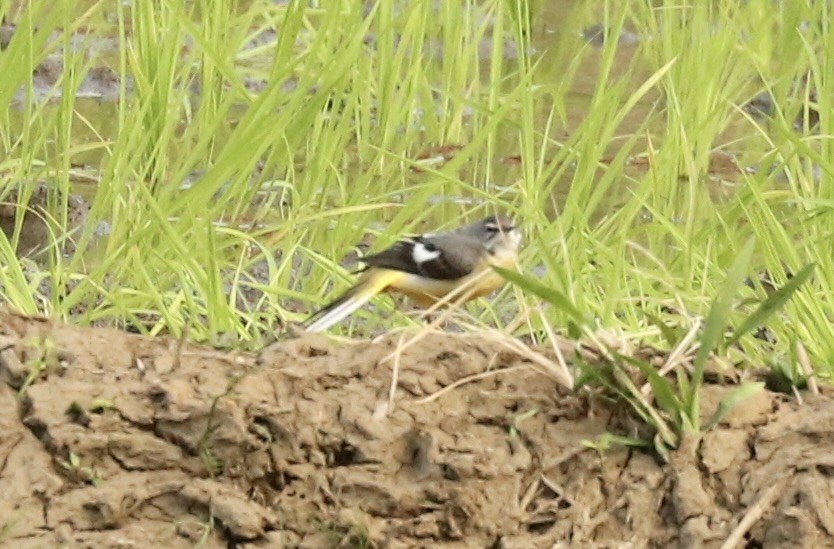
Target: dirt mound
x,y
113,440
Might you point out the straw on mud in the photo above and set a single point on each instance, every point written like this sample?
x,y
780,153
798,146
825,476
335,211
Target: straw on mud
x,y
560,358
465,380
679,354
395,374
807,369
561,375
592,523
797,395
555,488
753,514
529,494
560,346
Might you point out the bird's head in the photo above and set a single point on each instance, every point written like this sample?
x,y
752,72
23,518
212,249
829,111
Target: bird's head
x,y
497,233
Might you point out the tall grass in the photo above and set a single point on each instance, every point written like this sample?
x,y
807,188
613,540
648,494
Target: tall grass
x,y
257,144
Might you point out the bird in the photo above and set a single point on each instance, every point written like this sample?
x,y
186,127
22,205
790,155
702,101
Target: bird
x,y
430,267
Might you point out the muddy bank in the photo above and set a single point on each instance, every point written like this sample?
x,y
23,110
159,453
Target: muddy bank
x,y
113,440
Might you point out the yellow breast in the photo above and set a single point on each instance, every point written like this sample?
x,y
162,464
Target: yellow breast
x,y
482,281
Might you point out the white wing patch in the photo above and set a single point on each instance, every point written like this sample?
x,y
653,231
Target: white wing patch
x,y
421,254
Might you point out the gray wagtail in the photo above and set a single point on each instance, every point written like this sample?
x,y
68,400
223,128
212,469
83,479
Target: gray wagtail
x,y
429,267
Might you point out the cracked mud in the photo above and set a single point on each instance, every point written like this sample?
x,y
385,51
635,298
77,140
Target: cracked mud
x,y
113,440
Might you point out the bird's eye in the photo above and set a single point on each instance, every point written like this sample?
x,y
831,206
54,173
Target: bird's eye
x,y
492,228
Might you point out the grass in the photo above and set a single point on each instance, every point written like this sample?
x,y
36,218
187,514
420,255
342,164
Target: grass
x,y
255,145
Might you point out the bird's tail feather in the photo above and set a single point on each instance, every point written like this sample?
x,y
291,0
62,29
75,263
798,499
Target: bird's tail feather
x,y
371,283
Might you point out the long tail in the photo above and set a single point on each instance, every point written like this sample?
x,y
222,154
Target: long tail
x,y
373,281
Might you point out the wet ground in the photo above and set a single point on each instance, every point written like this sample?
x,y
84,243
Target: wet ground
x,y
109,439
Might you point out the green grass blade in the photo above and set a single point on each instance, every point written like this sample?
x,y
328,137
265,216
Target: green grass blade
x,y
551,295
773,303
663,391
714,327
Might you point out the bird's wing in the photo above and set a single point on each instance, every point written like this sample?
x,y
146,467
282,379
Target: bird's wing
x,y
441,257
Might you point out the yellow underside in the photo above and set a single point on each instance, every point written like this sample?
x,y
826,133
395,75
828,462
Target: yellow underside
x,y
425,292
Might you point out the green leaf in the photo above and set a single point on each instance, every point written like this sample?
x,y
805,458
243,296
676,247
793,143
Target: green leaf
x,y
552,296
773,303
99,405
606,440
670,333
643,407
714,327
661,387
